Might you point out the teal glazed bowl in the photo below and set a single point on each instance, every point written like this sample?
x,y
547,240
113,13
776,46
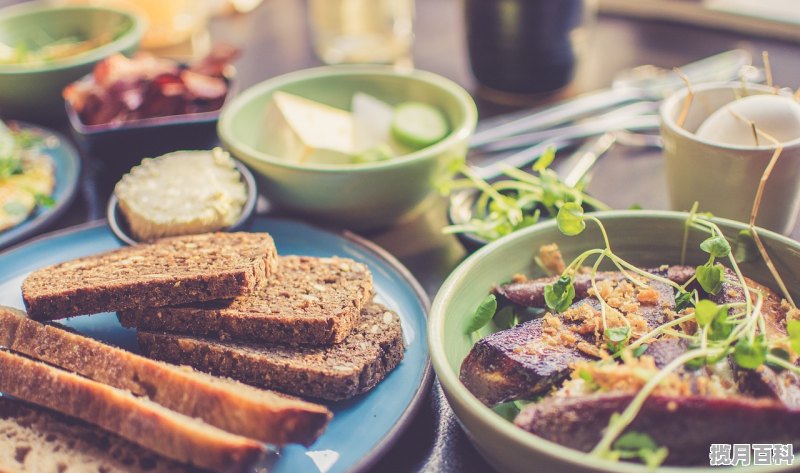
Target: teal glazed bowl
x,y
645,238
356,196
34,91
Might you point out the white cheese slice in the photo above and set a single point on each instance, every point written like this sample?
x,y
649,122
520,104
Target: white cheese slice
x,y
302,130
372,120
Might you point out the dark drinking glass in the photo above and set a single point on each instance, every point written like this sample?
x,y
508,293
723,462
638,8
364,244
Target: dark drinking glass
x,y
522,46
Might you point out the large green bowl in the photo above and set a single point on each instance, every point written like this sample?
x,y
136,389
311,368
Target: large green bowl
x,y
359,196
34,91
645,238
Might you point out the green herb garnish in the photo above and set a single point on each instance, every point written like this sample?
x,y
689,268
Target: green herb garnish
x,y
483,314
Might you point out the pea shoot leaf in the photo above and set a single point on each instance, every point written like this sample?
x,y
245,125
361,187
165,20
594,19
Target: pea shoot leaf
x,y
793,327
483,314
778,353
720,328
638,445
716,246
745,249
704,312
639,351
683,300
570,219
559,295
545,160
709,276
616,338
751,355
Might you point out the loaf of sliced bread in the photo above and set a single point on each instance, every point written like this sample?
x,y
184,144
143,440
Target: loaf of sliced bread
x,y
309,301
38,440
173,435
168,272
224,403
333,373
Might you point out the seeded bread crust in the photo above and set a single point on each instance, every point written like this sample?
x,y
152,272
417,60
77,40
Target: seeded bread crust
x,y
308,301
332,373
38,440
224,403
169,272
141,421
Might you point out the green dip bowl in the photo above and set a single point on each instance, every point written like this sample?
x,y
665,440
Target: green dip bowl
x,y
34,91
645,238
357,196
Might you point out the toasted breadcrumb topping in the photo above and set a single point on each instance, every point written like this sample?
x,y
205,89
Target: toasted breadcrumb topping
x,y
551,259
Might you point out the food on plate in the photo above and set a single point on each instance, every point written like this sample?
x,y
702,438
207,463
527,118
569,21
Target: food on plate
x,y
309,301
145,86
181,193
517,201
223,403
774,116
643,364
335,372
171,271
46,50
139,420
351,344
27,176
34,439
301,130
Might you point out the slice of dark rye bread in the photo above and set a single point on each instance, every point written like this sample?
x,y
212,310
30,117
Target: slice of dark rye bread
x,y
308,301
37,440
168,272
332,373
173,435
224,403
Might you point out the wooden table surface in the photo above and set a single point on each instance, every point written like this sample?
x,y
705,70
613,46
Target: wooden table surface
x,y
275,40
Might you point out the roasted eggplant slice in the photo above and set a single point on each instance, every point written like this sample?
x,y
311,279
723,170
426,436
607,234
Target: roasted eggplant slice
x,y
685,425
531,358
530,293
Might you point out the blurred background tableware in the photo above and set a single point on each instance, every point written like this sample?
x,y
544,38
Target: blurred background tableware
x,y
362,31
358,196
33,90
724,178
175,28
525,46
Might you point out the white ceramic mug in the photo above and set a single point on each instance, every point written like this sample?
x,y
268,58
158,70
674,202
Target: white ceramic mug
x,y
724,178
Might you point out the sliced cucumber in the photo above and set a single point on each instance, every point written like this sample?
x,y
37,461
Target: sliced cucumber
x,y
418,125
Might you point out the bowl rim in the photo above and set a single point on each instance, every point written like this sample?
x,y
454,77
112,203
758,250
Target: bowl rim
x,y
462,131
668,119
127,40
507,431
118,227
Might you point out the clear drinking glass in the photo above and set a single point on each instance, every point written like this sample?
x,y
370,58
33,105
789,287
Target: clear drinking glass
x,y
362,31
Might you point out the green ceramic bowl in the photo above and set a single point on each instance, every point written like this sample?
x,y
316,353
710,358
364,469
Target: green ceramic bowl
x,y
646,238
359,196
34,91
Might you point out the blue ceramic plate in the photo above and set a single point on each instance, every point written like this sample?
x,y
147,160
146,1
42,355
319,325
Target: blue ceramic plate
x,y
67,164
363,428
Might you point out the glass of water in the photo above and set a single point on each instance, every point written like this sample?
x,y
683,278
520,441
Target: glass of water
x,y
362,31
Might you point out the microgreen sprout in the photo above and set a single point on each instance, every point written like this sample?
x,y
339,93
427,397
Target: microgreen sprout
x,y
518,201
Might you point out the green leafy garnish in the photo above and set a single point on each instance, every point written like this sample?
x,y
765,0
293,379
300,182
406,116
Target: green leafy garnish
x,y
483,314
44,200
559,295
683,300
793,328
639,351
720,328
709,276
704,312
616,338
640,446
749,354
745,250
716,246
570,219
545,160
